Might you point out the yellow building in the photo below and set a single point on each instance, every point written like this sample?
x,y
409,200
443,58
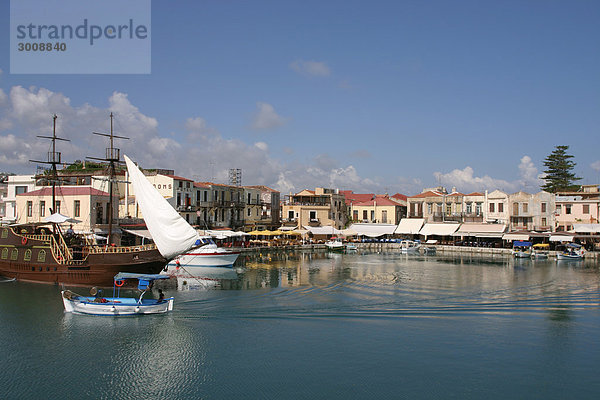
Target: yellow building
x,y
321,207
381,210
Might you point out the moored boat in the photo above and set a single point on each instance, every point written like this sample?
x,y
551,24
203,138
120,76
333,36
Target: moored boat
x,y
521,249
209,255
540,250
335,244
410,247
572,251
117,305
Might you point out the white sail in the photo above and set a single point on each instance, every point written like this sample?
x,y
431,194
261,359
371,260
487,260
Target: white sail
x,y
171,233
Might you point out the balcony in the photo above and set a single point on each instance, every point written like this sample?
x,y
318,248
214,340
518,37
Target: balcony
x,y
314,222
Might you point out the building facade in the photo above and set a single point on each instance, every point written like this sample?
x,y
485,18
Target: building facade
x,y
321,207
581,207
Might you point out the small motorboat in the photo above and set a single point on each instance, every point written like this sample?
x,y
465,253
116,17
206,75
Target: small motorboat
x,y
540,250
410,246
521,249
208,255
351,247
116,305
430,247
335,244
572,251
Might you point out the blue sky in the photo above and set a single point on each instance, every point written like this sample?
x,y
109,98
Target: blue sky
x,y
371,96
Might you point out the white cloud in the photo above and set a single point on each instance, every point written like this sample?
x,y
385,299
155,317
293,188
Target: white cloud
x,y
266,118
310,68
262,146
530,179
595,166
198,128
465,181
3,98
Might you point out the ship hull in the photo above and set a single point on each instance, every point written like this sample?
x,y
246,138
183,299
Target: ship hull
x,y
34,259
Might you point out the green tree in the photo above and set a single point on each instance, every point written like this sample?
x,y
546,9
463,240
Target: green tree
x,y
559,171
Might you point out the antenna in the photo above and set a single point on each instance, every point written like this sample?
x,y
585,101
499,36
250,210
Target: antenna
x,y
235,177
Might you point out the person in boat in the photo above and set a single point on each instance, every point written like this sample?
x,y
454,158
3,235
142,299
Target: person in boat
x,y
161,296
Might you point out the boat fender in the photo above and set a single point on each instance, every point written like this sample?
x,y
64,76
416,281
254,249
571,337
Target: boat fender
x,y
119,283
23,240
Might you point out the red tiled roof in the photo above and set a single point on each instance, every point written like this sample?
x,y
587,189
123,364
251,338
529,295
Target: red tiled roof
x,y
475,194
427,194
201,185
263,187
400,196
456,194
66,191
179,178
354,197
380,201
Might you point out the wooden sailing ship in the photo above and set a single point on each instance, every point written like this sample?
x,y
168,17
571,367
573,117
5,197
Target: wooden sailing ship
x,y
41,252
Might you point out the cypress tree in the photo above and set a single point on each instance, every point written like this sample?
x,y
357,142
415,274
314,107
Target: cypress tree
x,y
559,171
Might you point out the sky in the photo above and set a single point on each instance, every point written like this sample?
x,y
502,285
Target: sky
x,y
369,96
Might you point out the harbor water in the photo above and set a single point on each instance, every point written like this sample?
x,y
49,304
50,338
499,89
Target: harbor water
x,y
316,325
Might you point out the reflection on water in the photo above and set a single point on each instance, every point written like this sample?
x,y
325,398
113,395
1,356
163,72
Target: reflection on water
x,y
313,324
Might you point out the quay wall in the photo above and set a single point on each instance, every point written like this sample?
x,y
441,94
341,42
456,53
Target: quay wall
x,y
440,249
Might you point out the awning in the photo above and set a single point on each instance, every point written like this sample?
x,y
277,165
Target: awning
x,y
561,238
322,230
438,229
145,233
586,228
516,236
287,228
373,230
481,230
409,226
431,241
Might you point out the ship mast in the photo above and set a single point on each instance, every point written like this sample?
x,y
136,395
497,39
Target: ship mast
x,y
112,157
53,159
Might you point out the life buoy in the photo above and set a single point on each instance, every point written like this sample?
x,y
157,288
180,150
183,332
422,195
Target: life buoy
x,y
119,283
23,240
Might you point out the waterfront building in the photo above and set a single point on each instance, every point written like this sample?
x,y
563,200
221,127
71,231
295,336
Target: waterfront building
x,y
84,203
3,194
319,207
497,210
226,206
531,212
426,204
270,203
15,185
579,207
381,210
253,208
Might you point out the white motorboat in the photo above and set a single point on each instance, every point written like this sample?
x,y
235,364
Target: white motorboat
x,y
209,255
572,251
116,305
335,244
521,249
410,247
540,250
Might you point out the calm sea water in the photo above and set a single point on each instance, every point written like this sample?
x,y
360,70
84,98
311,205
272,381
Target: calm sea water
x,y
323,326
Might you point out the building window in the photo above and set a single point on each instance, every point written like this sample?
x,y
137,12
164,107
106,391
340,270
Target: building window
x,y
312,215
77,208
290,214
4,253
42,208
559,209
544,222
478,208
500,207
372,215
469,208
14,255
249,211
27,256
586,209
544,207
567,208
355,215
365,215
249,197
57,206
492,207
4,233
384,216
99,213
429,208
30,208
20,189
515,208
